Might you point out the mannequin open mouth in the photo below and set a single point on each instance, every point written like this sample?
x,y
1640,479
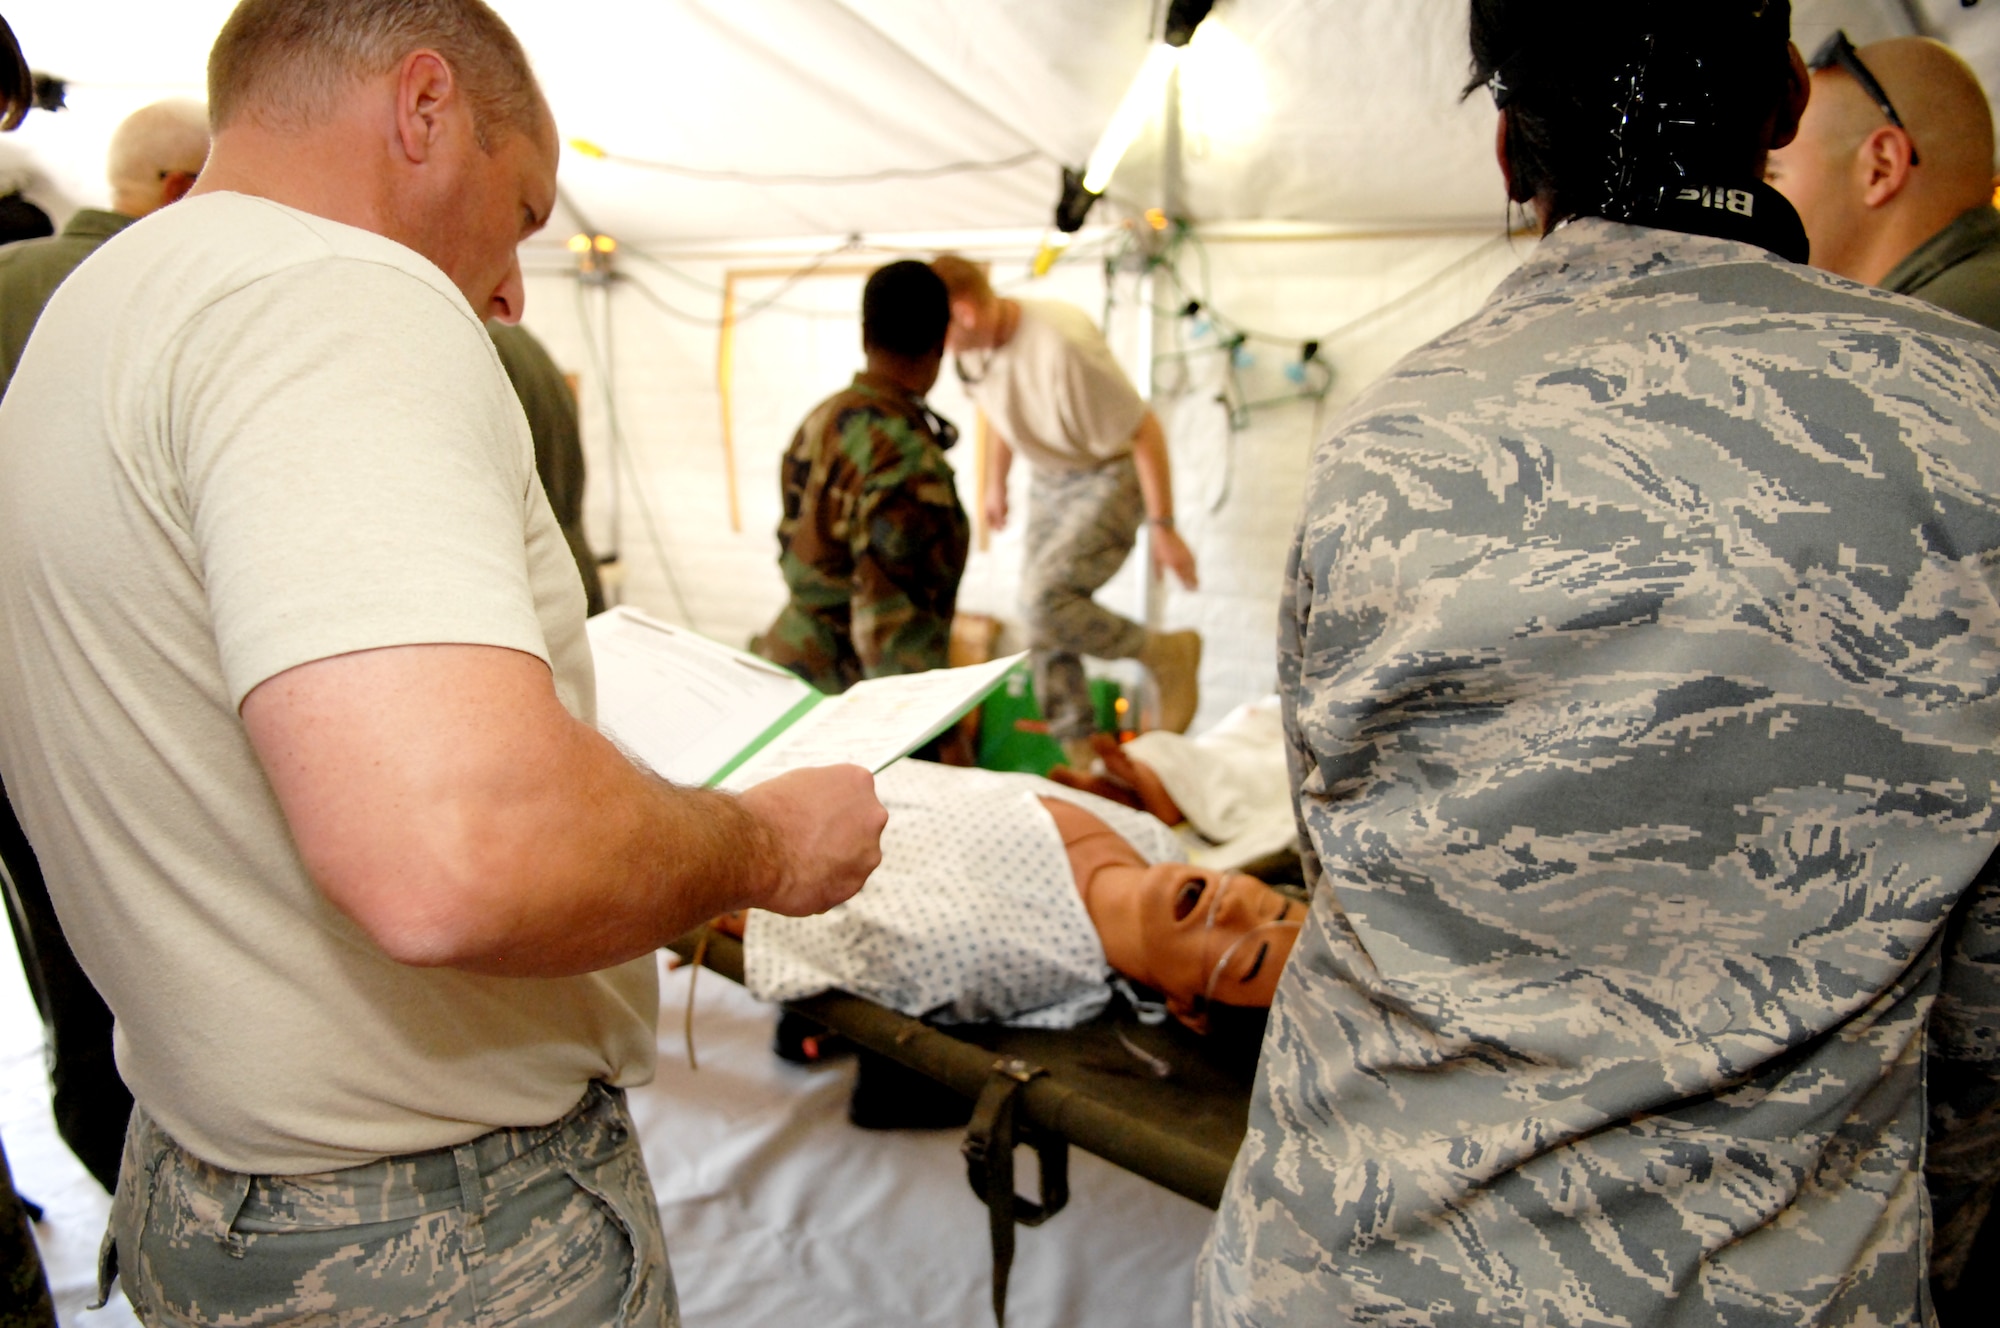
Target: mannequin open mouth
x,y
1189,896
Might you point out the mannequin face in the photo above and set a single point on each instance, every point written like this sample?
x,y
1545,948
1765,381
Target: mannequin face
x,y
1203,936
1195,934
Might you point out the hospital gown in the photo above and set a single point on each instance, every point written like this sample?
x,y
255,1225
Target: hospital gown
x,y
973,915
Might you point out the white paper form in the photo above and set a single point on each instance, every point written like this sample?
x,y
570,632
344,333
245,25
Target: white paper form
x,y
873,723
681,703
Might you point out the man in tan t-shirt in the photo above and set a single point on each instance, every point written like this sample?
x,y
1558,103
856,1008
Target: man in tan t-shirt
x,y
300,716
1050,389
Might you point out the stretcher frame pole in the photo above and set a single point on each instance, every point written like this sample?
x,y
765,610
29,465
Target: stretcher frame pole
x,y
1125,1141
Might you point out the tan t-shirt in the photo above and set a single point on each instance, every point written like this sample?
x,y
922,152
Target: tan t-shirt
x,y
243,438
1054,392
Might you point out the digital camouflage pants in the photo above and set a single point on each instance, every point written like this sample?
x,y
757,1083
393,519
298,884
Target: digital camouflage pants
x,y
554,1225
1081,528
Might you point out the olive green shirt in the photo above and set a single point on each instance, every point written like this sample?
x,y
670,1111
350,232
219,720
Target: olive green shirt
x,y
550,406
30,271
1957,269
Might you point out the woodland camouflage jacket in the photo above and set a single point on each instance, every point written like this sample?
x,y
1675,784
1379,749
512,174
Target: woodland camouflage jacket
x,y
872,541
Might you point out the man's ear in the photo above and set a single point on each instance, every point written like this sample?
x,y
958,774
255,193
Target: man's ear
x,y
1882,163
425,89
174,186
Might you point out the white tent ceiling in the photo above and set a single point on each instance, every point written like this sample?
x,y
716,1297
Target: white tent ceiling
x,y
1327,112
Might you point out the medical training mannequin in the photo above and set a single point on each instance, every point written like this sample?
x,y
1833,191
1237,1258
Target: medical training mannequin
x,y
1196,935
1005,897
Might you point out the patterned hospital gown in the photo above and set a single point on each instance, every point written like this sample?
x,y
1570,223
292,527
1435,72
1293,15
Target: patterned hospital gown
x,y
973,914
1641,651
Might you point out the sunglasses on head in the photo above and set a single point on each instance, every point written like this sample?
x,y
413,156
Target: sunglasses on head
x,y
1837,50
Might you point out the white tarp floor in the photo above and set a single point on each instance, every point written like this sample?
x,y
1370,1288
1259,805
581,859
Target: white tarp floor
x,y
778,1213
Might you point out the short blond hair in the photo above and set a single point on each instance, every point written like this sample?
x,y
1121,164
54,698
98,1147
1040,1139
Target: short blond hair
x,y
285,63
963,279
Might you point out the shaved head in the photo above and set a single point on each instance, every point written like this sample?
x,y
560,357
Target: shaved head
x,y
419,120
156,154
1865,205
287,62
1941,103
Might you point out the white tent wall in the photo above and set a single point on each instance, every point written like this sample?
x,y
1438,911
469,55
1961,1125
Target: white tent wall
x,y
1238,490
1325,111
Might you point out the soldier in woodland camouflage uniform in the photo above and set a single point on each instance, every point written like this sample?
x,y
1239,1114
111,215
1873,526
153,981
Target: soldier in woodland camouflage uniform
x,y
1640,660
873,539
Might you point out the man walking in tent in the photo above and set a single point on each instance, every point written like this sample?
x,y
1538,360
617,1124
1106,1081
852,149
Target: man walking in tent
x,y
1049,386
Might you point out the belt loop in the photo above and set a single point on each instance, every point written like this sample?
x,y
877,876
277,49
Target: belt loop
x,y
471,1197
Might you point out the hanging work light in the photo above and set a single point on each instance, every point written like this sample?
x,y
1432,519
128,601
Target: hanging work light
x,y
1080,190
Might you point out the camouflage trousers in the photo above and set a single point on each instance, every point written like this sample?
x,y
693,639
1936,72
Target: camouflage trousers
x,y
1081,528
552,1225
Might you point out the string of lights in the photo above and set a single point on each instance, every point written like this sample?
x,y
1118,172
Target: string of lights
x,y
773,302
1196,301
886,175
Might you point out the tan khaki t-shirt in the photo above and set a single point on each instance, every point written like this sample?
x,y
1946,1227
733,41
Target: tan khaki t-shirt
x,y
241,439
1054,392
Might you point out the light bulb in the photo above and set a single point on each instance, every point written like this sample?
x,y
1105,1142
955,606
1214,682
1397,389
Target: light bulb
x,y
1140,101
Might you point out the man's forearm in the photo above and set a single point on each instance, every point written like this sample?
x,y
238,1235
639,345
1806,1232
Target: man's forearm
x,y
999,460
1156,481
595,865
442,798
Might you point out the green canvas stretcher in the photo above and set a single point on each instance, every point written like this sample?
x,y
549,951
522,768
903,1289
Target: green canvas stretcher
x,y
1048,1089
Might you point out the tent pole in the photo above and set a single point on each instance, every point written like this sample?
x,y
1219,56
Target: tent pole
x,y
1172,203
610,377
725,363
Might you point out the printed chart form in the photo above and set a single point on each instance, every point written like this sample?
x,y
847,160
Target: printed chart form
x,y
683,705
875,722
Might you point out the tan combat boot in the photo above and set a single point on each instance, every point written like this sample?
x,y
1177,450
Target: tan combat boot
x,y
1174,660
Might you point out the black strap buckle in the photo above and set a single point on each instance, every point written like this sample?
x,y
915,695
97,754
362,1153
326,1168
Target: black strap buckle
x,y
989,1165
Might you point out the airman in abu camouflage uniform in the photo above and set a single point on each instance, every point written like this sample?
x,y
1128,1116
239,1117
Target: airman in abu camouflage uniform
x,y
1640,659
873,539
550,1226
